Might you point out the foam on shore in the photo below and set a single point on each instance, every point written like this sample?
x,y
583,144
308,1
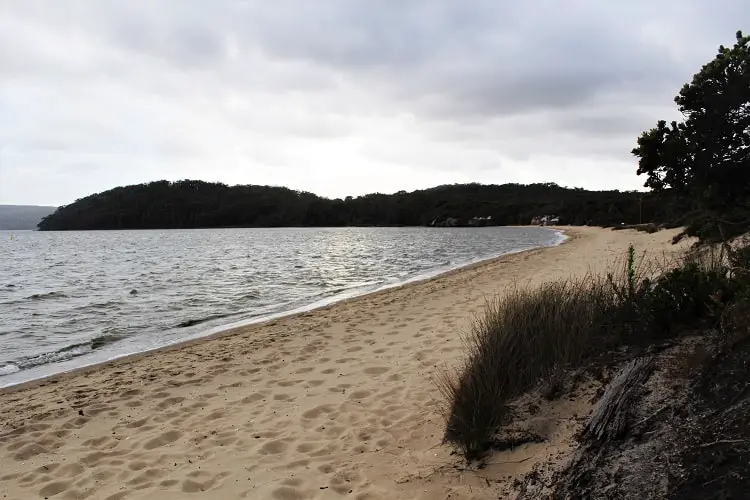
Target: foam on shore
x,y
104,349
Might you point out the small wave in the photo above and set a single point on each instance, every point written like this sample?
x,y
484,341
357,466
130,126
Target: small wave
x,y
64,354
106,339
46,296
560,237
193,322
334,291
8,368
10,285
99,306
312,283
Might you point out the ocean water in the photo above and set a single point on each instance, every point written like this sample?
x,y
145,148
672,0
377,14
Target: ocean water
x,y
69,299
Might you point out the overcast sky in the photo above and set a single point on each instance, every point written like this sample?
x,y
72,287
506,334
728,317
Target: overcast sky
x,y
339,97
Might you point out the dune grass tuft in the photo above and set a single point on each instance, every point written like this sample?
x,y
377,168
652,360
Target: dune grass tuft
x,y
521,338
529,334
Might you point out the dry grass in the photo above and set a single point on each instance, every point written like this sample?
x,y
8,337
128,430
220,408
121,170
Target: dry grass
x,y
521,338
529,335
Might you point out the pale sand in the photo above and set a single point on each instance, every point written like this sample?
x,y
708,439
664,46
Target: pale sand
x,y
336,402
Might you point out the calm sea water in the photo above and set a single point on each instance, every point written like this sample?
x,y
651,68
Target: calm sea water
x,y
74,298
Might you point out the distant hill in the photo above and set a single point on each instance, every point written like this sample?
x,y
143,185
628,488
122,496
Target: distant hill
x,y
19,217
198,204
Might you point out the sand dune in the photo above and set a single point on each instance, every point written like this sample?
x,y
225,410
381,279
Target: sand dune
x,y
335,403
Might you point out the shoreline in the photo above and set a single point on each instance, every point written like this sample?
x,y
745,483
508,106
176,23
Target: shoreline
x,y
563,233
338,401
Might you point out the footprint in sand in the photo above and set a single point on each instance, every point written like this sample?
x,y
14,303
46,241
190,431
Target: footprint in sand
x,y
317,411
137,465
118,496
130,393
287,493
169,402
214,415
168,437
307,447
376,370
325,452
145,479
292,481
356,395
193,486
274,447
137,423
253,398
289,383
298,464
28,451
53,489
326,468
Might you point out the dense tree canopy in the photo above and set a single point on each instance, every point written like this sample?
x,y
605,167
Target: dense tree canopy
x,y
197,204
705,158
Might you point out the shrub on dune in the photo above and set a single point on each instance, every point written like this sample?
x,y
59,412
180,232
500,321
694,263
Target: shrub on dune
x,y
521,338
528,335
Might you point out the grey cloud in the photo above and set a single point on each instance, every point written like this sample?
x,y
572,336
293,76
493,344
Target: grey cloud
x,y
188,45
345,34
610,122
478,57
344,94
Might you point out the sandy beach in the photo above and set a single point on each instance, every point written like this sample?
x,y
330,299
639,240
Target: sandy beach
x,y
338,402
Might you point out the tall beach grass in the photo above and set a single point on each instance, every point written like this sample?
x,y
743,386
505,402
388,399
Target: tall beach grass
x,y
527,335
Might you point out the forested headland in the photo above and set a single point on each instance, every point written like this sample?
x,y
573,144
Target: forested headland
x,y
198,204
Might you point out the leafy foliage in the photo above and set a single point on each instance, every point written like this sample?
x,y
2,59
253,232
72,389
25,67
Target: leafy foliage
x,y
687,294
706,157
194,204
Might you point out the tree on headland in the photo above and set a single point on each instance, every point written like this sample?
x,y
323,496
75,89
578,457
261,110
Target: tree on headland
x,y
197,204
705,158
